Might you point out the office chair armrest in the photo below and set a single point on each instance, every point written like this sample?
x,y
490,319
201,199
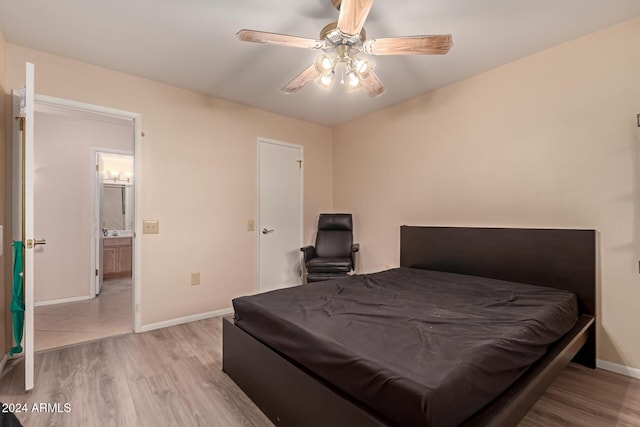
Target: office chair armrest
x,y
354,248
309,252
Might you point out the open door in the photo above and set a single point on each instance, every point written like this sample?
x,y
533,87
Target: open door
x,y
99,223
26,219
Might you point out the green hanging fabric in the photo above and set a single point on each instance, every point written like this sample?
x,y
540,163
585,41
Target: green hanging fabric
x,y
17,305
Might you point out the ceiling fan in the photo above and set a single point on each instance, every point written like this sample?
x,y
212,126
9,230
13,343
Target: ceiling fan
x,y
343,45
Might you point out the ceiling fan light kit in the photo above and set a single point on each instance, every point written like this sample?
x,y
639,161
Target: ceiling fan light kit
x,y
343,44
345,61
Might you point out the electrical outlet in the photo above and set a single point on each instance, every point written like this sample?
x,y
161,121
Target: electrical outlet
x,y
195,279
150,227
251,225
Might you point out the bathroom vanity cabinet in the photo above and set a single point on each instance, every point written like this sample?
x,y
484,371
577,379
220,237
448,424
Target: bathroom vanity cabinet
x,y
117,257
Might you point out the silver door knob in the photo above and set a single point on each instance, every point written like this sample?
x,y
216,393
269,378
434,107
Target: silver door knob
x,y
265,231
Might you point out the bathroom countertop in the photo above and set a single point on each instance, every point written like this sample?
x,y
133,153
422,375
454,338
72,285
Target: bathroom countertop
x,y
117,237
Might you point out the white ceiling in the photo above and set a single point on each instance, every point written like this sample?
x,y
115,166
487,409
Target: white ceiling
x,y
192,43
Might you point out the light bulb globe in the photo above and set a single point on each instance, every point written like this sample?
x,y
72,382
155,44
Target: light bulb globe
x,y
353,79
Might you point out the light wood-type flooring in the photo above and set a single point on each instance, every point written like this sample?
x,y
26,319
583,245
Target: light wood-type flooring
x,y
173,377
106,315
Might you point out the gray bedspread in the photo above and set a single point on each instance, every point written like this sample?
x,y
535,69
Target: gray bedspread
x,y
417,347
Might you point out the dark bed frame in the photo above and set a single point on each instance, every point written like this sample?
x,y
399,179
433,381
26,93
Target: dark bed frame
x,y
290,395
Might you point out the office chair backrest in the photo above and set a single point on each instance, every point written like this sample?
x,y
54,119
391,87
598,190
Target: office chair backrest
x,y
335,235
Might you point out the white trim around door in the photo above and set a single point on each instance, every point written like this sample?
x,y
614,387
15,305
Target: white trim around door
x,y
137,185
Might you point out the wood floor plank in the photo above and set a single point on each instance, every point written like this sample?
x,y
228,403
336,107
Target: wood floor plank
x,y
60,383
173,377
202,336
207,398
585,397
108,400
164,344
139,357
157,398
61,371
245,406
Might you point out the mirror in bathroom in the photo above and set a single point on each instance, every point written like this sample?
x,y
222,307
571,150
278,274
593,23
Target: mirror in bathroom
x,y
116,194
118,207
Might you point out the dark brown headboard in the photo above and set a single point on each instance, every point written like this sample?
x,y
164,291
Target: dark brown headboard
x,y
558,258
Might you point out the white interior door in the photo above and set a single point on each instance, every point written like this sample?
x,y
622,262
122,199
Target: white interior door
x,y
280,215
27,112
99,223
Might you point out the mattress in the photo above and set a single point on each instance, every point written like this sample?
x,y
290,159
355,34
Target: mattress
x,y
415,347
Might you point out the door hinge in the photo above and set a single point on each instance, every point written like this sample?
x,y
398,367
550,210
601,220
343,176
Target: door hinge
x,y
96,271
21,125
97,168
299,164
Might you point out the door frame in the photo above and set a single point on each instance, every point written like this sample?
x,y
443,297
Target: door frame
x,y
258,227
137,185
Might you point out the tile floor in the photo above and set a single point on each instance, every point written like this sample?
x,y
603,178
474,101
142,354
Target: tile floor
x,y
107,315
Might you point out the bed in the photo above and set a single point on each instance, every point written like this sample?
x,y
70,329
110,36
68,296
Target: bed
x,y
296,379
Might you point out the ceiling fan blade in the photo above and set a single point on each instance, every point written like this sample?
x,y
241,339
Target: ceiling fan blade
x,y
372,85
278,39
412,45
353,13
301,80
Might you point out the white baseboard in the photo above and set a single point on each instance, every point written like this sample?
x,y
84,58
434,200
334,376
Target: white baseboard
x,y
619,369
63,300
3,362
186,319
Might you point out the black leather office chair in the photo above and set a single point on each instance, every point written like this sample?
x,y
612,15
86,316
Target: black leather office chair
x,y
334,254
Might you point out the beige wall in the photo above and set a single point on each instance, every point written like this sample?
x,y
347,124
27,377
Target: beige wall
x,y
64,165
5,291
3,60
547,141
198,178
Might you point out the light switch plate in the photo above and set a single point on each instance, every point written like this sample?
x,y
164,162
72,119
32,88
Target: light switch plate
x,y
150,226
195,279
